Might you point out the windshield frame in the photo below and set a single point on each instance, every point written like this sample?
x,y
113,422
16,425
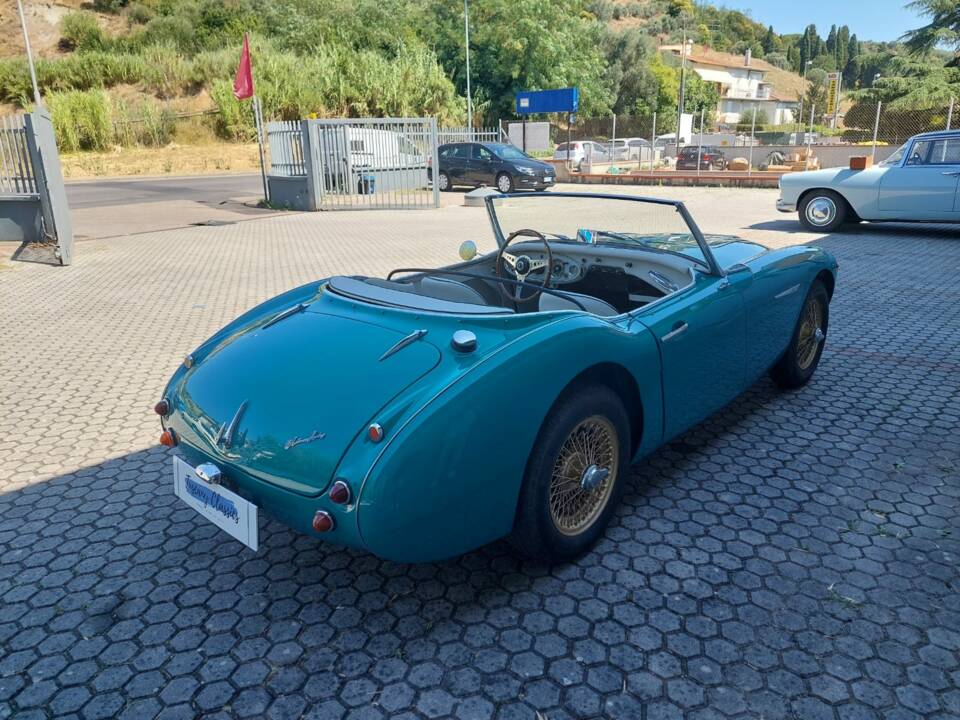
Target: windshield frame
x,y
712,266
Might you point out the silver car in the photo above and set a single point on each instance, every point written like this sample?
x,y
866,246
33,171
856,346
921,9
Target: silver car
x,y
576,152
917,183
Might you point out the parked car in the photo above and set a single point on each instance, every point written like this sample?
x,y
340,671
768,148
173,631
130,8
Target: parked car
x,y
423,415
711,158
576,153
917,183
630,148
499,165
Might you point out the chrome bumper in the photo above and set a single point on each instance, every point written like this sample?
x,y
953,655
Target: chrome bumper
x,y
785,207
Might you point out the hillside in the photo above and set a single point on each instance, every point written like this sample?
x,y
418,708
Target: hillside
x,y
43,20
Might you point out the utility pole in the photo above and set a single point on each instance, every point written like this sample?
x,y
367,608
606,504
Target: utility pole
x,y
466,34
26,42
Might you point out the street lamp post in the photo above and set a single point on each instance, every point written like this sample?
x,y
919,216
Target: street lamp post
x,y
683,84
26,42
466,34
803,92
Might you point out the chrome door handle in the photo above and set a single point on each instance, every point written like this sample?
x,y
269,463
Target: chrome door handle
x,y
677,330
951,173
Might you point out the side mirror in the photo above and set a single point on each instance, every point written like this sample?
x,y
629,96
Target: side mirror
x,y
468,250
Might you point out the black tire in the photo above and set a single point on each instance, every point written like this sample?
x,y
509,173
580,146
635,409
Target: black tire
x,y
504,183
797,365
537,532
443,182
822,211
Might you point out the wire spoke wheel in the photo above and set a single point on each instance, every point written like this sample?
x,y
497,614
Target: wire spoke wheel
x,y
584,475
811,333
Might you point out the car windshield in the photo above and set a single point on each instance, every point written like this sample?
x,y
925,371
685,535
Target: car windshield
x,y
507,152
897,155
653,225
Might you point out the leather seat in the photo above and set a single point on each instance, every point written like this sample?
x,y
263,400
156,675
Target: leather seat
x,y
443,288
592,305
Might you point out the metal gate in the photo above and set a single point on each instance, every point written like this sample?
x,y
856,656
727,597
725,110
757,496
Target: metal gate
x,y
16,171
33,200
356,164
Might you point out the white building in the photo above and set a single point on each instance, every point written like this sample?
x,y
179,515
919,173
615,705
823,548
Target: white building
x,y
744,83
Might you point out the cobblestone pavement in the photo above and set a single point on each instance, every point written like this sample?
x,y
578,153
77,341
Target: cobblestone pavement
x,y
794,556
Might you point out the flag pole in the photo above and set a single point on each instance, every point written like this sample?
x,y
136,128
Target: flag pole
x,y
258,121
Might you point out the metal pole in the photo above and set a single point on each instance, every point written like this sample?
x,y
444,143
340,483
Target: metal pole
x,y
258,122
569,123
950,113
613,139
753,128
26,44
466,33
806,162
876,128
700,142
803,92
653,142
683,58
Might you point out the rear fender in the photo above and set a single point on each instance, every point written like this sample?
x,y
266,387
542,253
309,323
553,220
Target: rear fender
x,y
449,479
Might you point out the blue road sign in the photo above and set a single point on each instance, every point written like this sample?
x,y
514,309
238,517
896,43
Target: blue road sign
x,y
547,101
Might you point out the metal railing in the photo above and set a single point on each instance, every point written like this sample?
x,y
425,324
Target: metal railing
x,y
16,171
286,149
464,134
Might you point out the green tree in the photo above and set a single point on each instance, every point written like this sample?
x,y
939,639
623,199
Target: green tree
x,y
943,28
771,42
851,69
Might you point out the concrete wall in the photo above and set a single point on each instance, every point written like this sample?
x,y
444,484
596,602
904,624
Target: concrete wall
x,y
20,219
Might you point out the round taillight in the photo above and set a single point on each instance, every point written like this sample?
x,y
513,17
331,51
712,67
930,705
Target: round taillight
x,y
339,493
376,432
323,521
162,407
168,439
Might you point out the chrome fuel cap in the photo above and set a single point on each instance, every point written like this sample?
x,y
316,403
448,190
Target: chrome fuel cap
x,y
464,341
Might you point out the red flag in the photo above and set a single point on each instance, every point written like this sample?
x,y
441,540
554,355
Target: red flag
x,y
243,82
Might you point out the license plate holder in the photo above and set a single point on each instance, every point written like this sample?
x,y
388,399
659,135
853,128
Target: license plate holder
x,y
224,508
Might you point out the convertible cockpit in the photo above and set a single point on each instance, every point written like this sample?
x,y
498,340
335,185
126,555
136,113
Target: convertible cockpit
x,y
615,257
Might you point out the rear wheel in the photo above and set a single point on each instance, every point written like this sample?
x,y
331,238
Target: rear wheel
x,y
443,181
575,476
823,211
504,183
800,361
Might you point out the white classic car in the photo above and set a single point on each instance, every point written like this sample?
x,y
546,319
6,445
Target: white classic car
x,y
917,183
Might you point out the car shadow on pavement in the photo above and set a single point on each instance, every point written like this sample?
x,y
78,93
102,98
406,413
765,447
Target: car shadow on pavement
x,y
925,230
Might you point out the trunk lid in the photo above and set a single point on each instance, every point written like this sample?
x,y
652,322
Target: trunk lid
x,y
310,383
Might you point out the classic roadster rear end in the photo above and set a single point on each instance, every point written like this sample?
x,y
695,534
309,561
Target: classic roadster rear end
x,y
427,414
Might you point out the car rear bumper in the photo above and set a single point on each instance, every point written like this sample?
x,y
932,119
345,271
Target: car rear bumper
x,y
785,207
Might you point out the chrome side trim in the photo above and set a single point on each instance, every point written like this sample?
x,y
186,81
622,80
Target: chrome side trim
x,y
284,314
402,343
788,291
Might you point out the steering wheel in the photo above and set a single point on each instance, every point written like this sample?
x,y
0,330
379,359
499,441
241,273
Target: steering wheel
x,y
522,266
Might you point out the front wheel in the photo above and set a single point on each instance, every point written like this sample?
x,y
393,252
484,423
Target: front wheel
x,y
822,211
443,181
575,476
800,361
504,183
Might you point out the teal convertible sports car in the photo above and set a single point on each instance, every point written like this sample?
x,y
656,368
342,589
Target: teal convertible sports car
x,y
428,413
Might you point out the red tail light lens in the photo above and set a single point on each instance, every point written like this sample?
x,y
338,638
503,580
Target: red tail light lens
x,y
339,493
162,407
322,521
375,432
168,439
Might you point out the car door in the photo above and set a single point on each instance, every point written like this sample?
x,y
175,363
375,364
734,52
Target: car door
x,y
924,187
457,164
482,166
701,332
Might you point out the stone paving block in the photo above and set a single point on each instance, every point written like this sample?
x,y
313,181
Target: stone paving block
x,y
793,556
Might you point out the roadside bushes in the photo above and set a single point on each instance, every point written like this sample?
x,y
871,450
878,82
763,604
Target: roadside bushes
x,y
339,82
81,119
81,31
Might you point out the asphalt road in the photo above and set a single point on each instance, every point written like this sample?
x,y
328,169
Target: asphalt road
x,y
208,189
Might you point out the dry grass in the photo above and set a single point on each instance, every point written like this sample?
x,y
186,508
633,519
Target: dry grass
x,y
170,160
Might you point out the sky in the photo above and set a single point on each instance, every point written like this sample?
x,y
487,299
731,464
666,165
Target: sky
x,y
869,19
